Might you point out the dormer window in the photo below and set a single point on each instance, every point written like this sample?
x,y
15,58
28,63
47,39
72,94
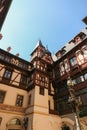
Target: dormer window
x,y
58,55
78,39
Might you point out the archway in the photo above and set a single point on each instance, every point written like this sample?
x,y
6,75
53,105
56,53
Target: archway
x,y
67,124
14,124
65,127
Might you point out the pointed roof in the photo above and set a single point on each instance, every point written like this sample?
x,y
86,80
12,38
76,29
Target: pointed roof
x,y
39,43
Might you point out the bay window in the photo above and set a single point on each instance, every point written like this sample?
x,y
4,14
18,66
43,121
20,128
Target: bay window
x,y
80,57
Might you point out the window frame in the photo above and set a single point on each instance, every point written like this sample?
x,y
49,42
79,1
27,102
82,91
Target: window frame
x,y
41,91
7,72
29,99
17,104
3,96
73,61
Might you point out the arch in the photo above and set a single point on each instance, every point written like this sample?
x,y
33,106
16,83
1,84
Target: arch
x,y
67,124
14,124
68,120
65,127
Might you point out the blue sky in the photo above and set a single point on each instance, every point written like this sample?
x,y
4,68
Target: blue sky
x,y
54,22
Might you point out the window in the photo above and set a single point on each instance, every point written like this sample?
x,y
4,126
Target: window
x,y
85,76
15,121
7,74
42,80
59,55
29,100
7,59
62,69
84,99
2,96
73,61
23,79
19,100
41,90
20,65
78,39
84,50
74,81
67,67
57,72
0,120
2,56
49,104
25,66
80,57
80,79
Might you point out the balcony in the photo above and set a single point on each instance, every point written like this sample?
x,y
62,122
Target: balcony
x,y
80,85
53,112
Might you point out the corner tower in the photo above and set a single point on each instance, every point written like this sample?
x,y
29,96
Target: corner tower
x,y
42,61
43,104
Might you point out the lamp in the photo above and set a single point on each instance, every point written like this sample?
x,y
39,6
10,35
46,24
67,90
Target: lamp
x,y
74,103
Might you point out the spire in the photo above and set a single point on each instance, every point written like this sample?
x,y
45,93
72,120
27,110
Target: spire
x,y
39,43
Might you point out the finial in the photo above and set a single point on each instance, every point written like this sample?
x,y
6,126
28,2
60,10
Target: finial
x,y
17,54
8,49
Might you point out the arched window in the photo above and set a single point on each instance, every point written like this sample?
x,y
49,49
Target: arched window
x,y
14,124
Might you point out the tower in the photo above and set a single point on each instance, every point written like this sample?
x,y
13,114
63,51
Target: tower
x,y
41,91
